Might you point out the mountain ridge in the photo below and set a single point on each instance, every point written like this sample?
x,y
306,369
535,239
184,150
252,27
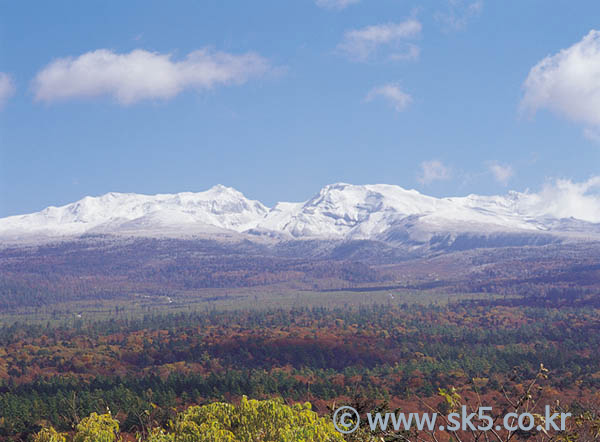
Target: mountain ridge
x,y
339,211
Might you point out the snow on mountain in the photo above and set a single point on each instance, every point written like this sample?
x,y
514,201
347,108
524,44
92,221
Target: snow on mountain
x,y
342,210
219,208
338,211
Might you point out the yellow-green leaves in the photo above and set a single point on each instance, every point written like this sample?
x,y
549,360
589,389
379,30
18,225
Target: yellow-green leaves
x,y
97,428
453,399
159,435
253,421
250,421
49,435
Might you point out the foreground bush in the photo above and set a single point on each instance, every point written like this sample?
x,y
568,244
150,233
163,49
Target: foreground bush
x,y
250,421
49,435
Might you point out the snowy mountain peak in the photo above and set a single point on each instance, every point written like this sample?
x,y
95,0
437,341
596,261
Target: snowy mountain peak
x,y
337,211
219,207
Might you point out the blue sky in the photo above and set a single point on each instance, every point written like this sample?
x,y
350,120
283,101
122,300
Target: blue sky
x,y
278,98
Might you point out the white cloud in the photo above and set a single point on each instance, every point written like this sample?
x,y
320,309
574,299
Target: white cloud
x,y
434,170
564,199
360,44
568,83
391,93
459,13
7,88
141,75
501,172
335,4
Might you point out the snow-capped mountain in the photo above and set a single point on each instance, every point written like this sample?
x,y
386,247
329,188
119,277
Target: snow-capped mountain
x,y
338,212
219,209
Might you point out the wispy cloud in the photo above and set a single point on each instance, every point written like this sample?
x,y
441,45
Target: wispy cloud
x,y
564,199
140,75
7,88
567,83
360,44
335,4
393,94
459,13
434,170
410,52
502,173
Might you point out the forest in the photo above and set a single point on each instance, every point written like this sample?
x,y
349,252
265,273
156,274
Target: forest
x,y
143,338
97,269
149,369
